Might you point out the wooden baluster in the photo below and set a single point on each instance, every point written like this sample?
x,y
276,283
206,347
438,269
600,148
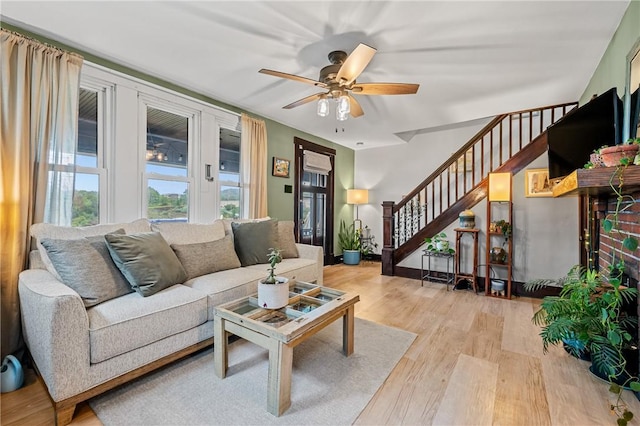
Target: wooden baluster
x,y
510,136
501,147
520,130
530,126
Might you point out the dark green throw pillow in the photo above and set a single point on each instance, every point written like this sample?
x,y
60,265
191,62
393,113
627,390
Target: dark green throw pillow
x,y
252,240
147,261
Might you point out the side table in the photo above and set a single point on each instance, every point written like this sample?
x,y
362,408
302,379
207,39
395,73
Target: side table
x,y
473,274
429,275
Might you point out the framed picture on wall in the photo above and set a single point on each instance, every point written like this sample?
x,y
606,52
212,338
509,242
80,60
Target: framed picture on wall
x,y
280,167
537,183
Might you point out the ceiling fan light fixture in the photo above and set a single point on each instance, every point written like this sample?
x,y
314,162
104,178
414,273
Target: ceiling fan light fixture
x,y
323,107
341,115
343,103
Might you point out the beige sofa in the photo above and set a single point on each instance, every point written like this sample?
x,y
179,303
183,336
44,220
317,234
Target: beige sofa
x,y
82,351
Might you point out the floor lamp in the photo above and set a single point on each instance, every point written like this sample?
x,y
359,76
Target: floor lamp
x,y
357,197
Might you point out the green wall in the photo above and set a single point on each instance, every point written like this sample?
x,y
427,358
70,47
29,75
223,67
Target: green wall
x,y
280,141
612,69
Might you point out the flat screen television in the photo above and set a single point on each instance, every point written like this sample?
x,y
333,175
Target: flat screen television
x,y
573,138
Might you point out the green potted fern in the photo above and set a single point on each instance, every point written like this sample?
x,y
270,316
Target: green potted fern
x,y
349,242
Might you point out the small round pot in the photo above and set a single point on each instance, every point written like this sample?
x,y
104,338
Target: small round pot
x,y
612,155
442,245
498,255
350,257
273,296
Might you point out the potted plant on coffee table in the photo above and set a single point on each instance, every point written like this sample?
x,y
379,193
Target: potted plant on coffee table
x,y
273,291
349,242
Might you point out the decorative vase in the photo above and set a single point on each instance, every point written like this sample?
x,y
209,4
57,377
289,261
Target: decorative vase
x,y
11,374
498,255
467,219
273,296
351,257
612,155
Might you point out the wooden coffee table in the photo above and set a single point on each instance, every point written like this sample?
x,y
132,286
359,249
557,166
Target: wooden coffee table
x,y
311,308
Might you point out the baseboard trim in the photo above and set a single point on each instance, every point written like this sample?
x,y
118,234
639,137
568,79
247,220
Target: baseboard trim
x,y
369,257
517,287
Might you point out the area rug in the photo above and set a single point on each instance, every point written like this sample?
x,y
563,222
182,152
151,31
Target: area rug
x,y
327,387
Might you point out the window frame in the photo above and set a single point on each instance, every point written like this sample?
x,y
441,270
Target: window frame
x,y
193,118
104,115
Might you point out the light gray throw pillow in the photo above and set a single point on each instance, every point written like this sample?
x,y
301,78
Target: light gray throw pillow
x,y
208,257
287,240
252,240
146,261
85,265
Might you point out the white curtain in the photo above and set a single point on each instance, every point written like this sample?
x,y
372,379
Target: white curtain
x,y
38,120
253,153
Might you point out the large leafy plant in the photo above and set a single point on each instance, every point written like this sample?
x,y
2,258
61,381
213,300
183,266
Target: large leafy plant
x,y
348,237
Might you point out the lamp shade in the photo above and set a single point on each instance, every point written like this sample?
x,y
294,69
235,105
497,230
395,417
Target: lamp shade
x,y
499,186
357,196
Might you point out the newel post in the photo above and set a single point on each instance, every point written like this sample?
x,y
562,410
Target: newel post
x,y
388,246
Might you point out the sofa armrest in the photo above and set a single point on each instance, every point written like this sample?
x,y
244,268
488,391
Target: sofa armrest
x,y
316,253
55,326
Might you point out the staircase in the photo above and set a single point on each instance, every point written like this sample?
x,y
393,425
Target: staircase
x,y
507,143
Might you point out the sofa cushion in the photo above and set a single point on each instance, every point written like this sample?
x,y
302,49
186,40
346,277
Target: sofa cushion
x,y
188,233
146,261
204,258
132,321
252,240
286,239
224,286
85,265
300,269
47,230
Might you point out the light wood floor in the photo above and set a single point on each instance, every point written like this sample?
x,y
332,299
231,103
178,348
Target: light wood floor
x,y
476,361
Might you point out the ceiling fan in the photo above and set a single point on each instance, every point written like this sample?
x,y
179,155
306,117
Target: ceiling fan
x,y
339,80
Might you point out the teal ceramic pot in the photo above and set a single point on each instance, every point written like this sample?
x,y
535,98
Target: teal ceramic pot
x,y
351,257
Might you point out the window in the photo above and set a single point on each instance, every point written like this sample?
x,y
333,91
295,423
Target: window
x,y
229,177
167,140
89,186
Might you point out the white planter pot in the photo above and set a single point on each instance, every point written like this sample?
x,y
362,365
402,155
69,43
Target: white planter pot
x,y
274,296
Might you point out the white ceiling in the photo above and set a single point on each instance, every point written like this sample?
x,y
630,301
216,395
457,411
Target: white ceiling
x,y
471,59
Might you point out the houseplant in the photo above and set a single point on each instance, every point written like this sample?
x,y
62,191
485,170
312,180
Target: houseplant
x,y
498,254
367,243
273,291
349,242
438,244
589,309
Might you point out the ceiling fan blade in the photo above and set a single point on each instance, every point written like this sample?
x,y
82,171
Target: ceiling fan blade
x,y
355,63
303,101
356,109
292,77
385,89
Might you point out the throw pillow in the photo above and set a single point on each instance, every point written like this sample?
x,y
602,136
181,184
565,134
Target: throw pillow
x,y
287,240
146,261
204,258
189,233
252,240
40,231
85,265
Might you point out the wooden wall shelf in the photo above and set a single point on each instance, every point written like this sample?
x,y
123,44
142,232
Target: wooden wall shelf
x,y
596,181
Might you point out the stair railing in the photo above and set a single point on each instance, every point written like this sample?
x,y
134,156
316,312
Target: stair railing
x,y
498,141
